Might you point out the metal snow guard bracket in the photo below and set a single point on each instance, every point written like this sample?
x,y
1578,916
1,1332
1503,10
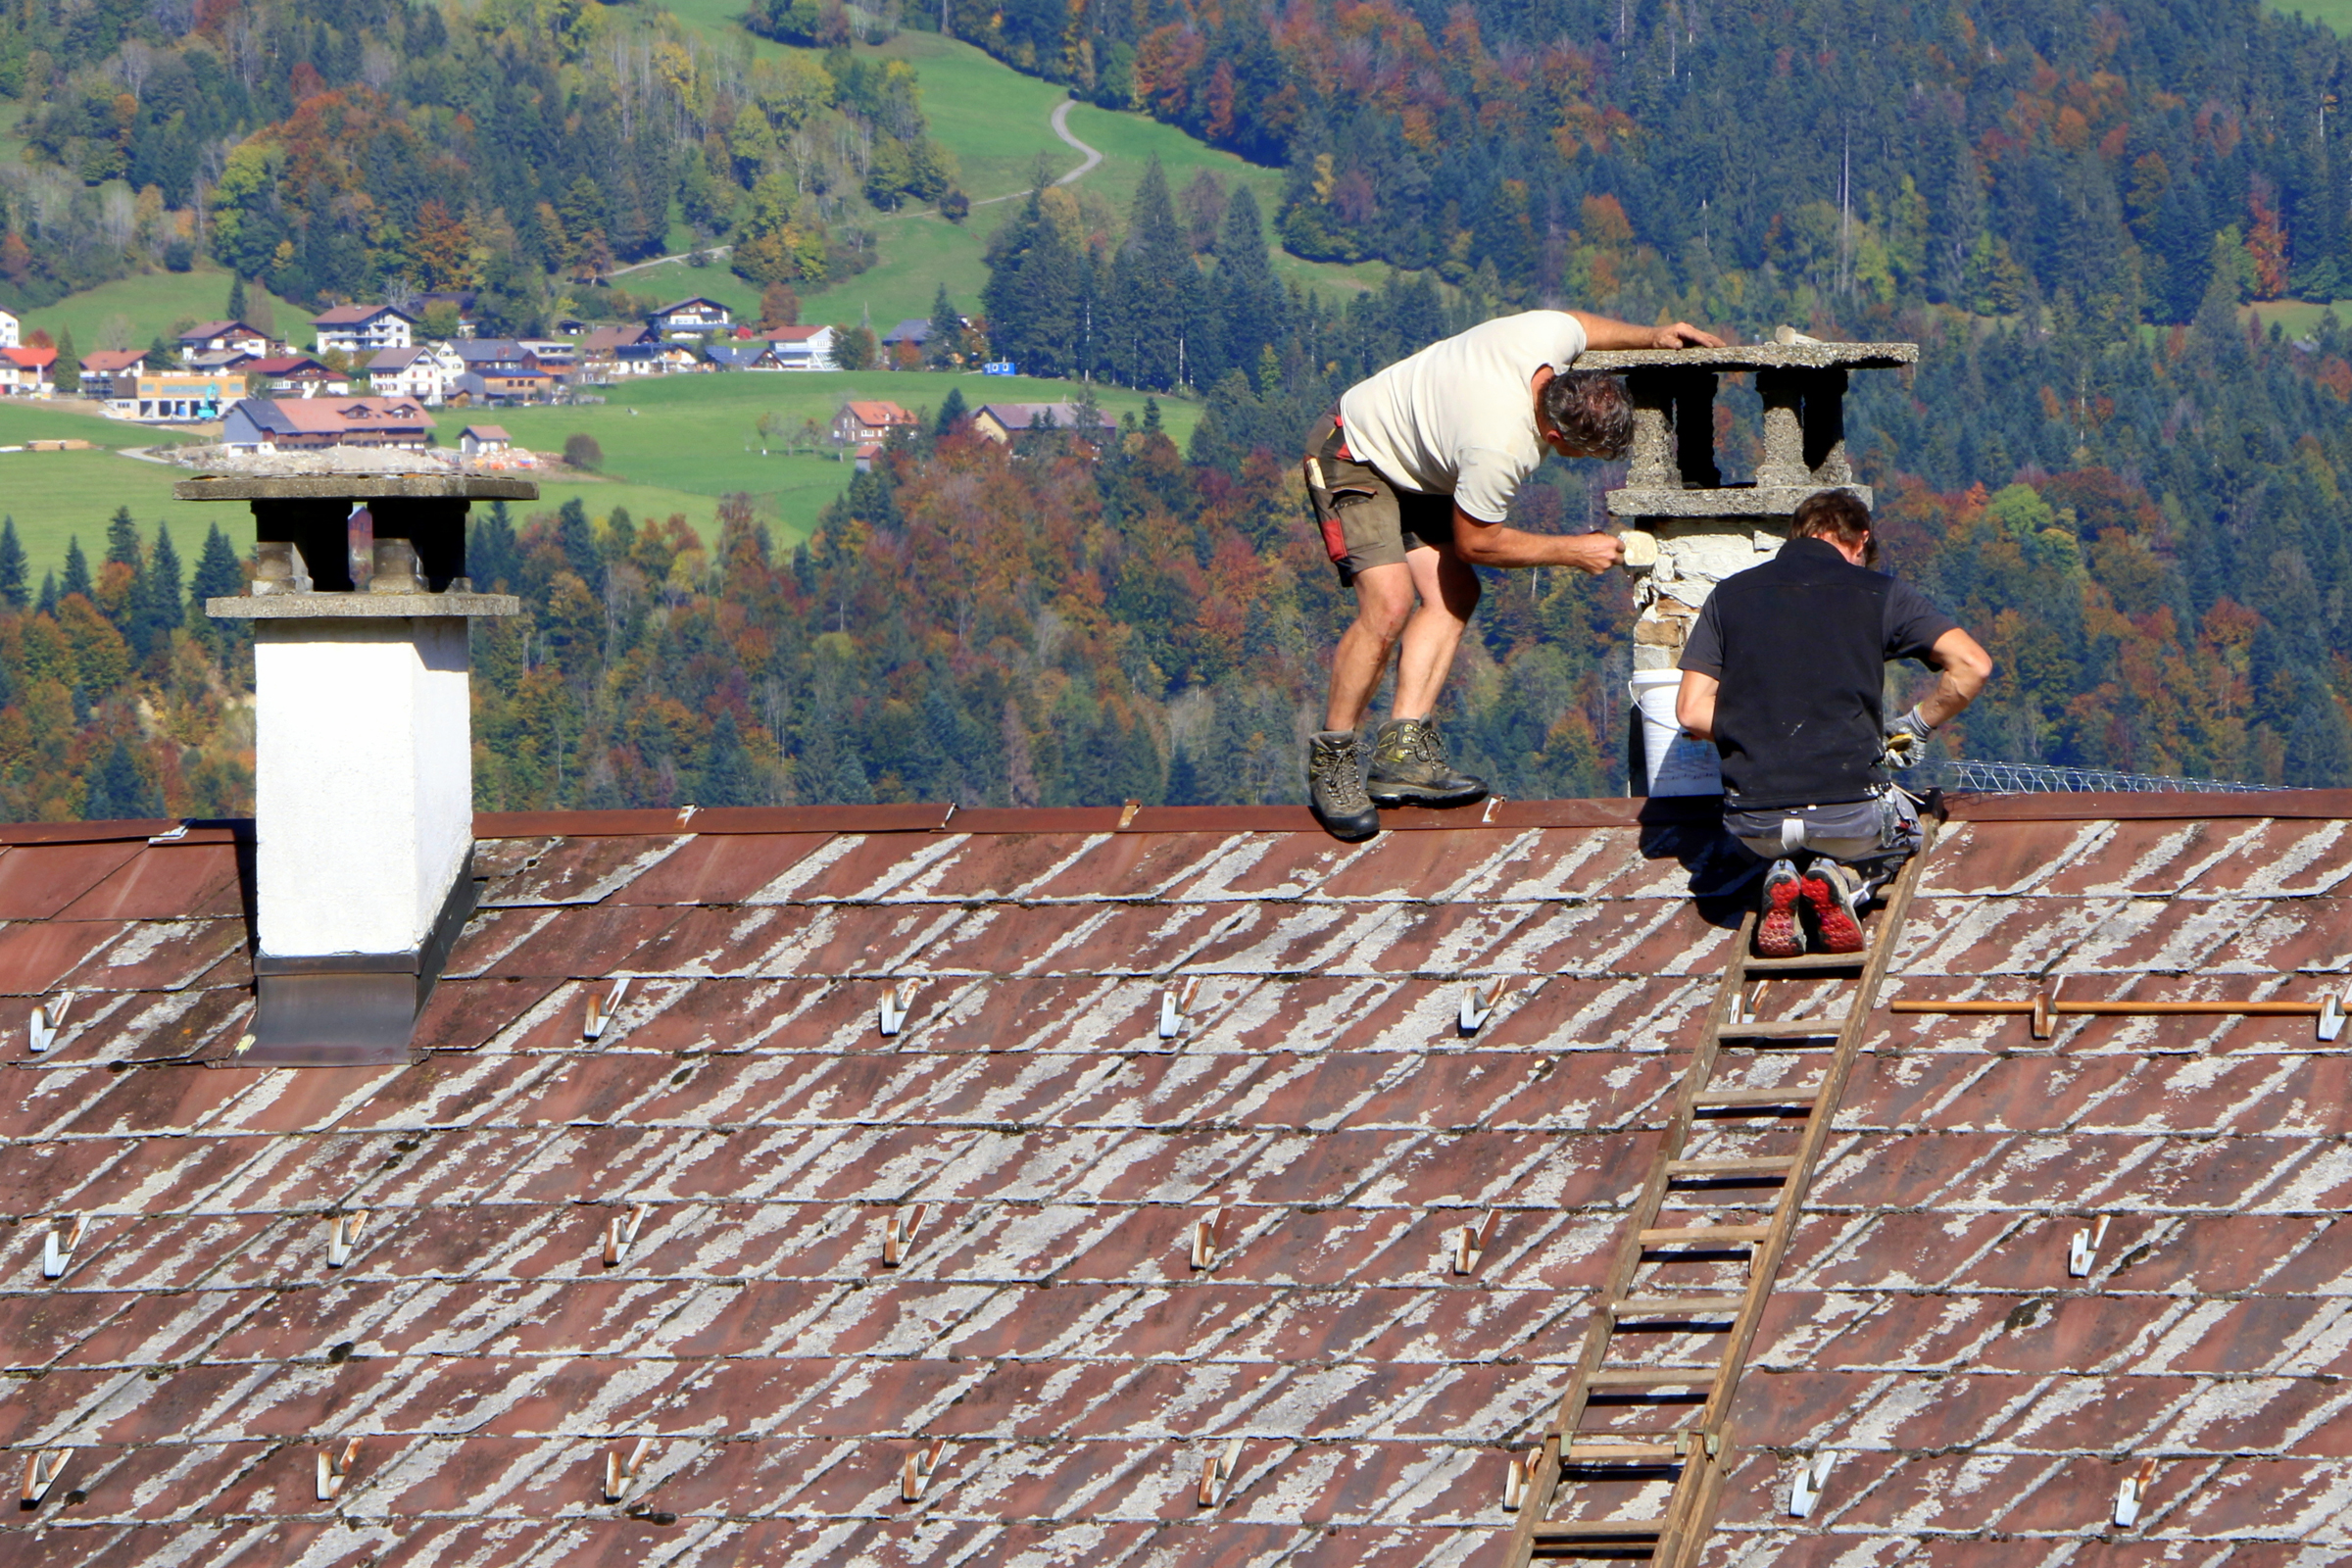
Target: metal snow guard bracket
x,y
1756,357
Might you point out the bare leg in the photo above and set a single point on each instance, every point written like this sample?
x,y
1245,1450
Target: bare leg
x,y
1450,589
1384,600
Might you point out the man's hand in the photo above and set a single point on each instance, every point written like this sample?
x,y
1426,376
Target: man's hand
x,y
1593,553
1906,741
1683,335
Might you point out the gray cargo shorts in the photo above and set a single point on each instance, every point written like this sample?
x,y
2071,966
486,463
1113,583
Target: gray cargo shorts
x,y
1885,826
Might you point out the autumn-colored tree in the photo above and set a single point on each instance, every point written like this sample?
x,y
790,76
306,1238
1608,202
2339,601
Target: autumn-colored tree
x,y
441,249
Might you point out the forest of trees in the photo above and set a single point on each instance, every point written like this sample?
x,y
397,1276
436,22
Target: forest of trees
x,y
1727,160
355,147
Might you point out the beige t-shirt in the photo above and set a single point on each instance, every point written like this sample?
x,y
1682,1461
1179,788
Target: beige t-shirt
x,y
1459,417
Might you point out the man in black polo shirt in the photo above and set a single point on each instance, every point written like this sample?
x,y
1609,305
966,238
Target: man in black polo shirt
x,y
1784,672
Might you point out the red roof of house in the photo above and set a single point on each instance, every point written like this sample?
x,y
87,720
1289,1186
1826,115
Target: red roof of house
x,y
285,365
1318,1100
875,412
793,334
353,414
31,357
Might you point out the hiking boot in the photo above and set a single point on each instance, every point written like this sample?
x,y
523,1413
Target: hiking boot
x,y
1837,898
1779,932
1410,768
1335,787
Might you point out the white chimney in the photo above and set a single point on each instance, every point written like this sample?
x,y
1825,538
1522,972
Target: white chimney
x,y
363,778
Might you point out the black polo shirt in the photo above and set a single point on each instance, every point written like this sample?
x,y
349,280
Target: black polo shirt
x,y
1801,644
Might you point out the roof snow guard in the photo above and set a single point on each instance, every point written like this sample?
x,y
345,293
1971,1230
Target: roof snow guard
x,y
871,1186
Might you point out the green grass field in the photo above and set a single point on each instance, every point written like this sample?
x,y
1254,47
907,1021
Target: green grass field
x,y
2299,318
696,437
57,494
2337,14
130,312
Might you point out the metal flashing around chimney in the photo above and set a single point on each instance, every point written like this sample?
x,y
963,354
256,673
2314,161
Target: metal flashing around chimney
x,y
363,783
352,1010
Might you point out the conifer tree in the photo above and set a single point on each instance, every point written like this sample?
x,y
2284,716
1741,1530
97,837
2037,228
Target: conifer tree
x,y
236,296
66,373
946,342
161,610
728,776
47,604
11,565
123,539
117,793
491,559
952,413
1154,300
1249,306
78,571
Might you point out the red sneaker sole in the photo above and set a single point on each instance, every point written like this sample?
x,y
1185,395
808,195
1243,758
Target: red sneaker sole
x,y
1841,932
1776,933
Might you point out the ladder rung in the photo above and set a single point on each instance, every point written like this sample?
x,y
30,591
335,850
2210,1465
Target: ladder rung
x,y
1754,1166
1809,960
1602,1530
1639,1307
1586,1452
1804,1096
1784,1029
1689,1235
1643,1377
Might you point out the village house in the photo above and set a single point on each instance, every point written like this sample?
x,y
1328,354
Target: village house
x,y
802,348
861,421
424,371
111,376
289,425
741,356
654,358
911,333
1003,422
360,329
694,317
213,338
10,329
25,371
484,440
301,375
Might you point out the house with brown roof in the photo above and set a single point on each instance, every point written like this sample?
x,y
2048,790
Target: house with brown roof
x,y
288,425
362,329
1005,422
928,1184
802,348
112,374
224,338
869,420
482,440
301,375
691,317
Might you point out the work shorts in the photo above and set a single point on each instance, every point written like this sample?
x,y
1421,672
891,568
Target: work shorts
x,y
1885,826
1367,520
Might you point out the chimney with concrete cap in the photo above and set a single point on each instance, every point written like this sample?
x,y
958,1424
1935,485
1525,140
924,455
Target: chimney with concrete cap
x,y
364,775
1689,530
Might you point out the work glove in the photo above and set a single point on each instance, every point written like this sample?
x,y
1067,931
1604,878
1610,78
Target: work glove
x,y
1906,741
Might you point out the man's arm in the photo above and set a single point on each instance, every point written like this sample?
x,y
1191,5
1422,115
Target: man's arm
x,y
1962,668
1496,544
1694,704
1607,333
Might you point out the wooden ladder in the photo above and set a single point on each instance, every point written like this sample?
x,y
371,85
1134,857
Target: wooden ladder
x,y
1648,1405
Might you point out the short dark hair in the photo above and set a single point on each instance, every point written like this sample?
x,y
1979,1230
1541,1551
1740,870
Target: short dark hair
x,y
1838,515
1590,409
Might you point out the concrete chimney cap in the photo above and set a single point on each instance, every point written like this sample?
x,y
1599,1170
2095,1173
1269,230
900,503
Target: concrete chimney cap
x,y
1756,357
353,487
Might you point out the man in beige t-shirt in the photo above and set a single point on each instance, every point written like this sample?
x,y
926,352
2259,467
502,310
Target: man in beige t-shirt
x,y
1411,483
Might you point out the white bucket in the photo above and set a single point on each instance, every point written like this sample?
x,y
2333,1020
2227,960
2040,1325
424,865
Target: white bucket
x,y
1678,763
